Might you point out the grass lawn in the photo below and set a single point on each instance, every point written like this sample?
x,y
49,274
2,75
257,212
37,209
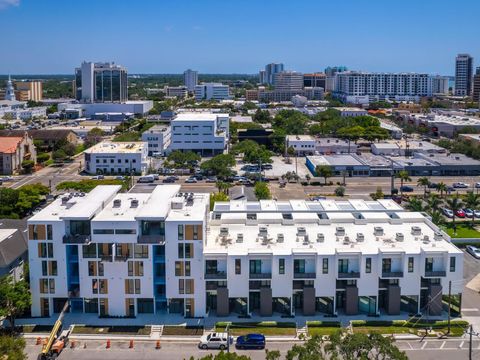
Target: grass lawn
x,y
112,330
324,330
34,328
463,231
182,330
267,331
383,329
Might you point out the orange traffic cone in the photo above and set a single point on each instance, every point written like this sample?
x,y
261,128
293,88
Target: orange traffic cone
x,y
131,344
108,344
157,346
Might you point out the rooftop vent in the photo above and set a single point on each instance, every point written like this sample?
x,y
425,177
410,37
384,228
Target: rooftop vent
x,y
239,238
346,240
438,236
306,240
340,231
280,238
223,231
426,239
134,203
378,231
416,230
262,231
399,237
301,231
360,237
117,203
65,200
320,238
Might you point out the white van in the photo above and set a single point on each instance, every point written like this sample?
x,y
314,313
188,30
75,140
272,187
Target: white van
x,y
146,179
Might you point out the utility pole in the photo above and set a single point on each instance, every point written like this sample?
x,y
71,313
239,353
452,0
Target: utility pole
x,y
228,338
470,343
449,303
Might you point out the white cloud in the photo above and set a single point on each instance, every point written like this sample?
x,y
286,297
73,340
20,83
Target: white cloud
x,y
7,3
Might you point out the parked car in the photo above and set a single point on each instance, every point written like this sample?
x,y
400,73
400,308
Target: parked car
x,y
460,185
447,212
191,180
432,185
406,188
146,179
267,167
211,179
214,341
477,185
119,177
468,213
460,213
474,251
98,177
168,180
251,341
476,213
199,177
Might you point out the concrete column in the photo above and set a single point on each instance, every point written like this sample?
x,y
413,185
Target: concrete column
x,y
223,306
265,301
351,300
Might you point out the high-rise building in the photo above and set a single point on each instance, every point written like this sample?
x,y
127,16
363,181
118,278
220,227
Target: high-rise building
x,y
212,91
314,80
440,84
476,85
330,76
33,89
190,78
288,81
270,71
262,77
101,83
10,91
463,74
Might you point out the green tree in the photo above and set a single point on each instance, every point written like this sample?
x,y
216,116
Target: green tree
x,y
425,182
219,196
93,137
223,356
472,201
223,186
220,165
15,298
291,121
183,160
415,204
377,194
340,191
12,348
262,116
403,176
437,217
442,188
59,155
272,354
43,157
261,190
27,166
324,171
312,349
454,203
433,202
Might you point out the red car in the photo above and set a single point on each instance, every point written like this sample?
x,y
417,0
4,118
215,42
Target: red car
x,y
460,213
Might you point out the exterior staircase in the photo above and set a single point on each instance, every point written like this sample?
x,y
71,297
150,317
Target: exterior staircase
x,y
156,332
302,332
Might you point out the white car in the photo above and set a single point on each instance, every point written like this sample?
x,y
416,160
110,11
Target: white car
x,y
214,341
477,185
447,212
474,251
468,213
476,213
461,185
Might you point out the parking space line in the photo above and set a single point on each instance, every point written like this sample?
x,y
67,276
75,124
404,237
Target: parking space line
x,y
461,344
424,344
443,344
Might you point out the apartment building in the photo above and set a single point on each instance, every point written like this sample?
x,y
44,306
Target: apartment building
x,y
463,74
212,91
288,81
180,92
124,254
476,85
204,133
314,80
157,139
112,158
190,79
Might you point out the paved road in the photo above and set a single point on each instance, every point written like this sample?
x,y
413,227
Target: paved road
x,y
426,350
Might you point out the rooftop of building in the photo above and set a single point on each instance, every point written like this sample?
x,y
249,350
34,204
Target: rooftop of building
x,y
374,160
333,141
300,138
475,137
452,119
9,145
241,119
197,116
157,129
412,145
41,134
110,147
335,160
13,241
324,227
345,108
453,159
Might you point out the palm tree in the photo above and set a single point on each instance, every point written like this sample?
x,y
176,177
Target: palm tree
x,y
424,181
223,186
455,204
441,188
415,204
437,217
433,202
472,201
403,176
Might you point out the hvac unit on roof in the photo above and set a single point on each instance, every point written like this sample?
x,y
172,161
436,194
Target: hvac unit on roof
x,y
320,238
301,231
416,230
360,237
117,203
438,236
306,240
280,238
378,231
223,231
134,203
426,239
262,231
399,236
346,240
239,238
340,231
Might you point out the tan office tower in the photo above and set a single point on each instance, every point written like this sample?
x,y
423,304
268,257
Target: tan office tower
x,y
34,87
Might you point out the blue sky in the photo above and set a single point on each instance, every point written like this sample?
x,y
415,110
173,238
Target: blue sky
x,y
226,36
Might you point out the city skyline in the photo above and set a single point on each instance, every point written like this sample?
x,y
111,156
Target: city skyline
x,y
361,36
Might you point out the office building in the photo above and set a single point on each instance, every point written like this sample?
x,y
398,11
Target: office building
x,y
204,133
24,114
137,107
101,83
361,88
29,90
440,85
13,151
330,73
314,80
190,79
111,158
463,74
476,85
288,81
180,92
212,91
262,77
270,71
125,254
301,144
157,139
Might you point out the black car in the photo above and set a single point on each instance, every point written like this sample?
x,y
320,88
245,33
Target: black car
x,y
406,188
169,179
432,185
251,341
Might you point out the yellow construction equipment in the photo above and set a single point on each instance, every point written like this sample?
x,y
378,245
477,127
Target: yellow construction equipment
x,y
57,340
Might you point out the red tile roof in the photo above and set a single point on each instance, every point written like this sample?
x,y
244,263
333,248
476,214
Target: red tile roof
x,y
8,145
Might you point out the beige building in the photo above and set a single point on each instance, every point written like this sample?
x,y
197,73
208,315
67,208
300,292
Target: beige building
x,y
29,90
14,150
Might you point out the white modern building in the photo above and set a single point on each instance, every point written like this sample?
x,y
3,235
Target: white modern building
x,y
212,91
190,79
180,92
463,74
116,158
203,133
124,254
302,144
137,107
269,73
28,113
157,139
440,85
362,88
351,111
288,81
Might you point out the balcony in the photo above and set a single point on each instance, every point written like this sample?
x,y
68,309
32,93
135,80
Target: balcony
x,y
349,275
150,239
76,239
435,273
304,275
218,275
106,258
392,274
260,275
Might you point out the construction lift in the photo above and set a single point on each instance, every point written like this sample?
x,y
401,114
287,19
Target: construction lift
x,y
58,339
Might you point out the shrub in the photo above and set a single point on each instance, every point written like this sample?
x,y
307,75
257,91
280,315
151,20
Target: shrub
x,y
317,323
41,158
340,191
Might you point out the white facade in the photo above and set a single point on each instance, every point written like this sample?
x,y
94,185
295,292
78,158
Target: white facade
x,y
204,133
351,111
122,254
157,139
138,107
116,158
440,84
302,144
190,79
212,91
27,113
288,81
177,91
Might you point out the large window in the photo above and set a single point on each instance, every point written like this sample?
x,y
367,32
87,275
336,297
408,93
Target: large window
x,y
49,268
141,251
386,265
100,286
281,266
325,266
410,264
80,227
299,266
135,268
153,228
343,265
452,264
429,264
255,266
132,286
368,265
180,232
179,269
238,266
45,250
49,232
89,251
